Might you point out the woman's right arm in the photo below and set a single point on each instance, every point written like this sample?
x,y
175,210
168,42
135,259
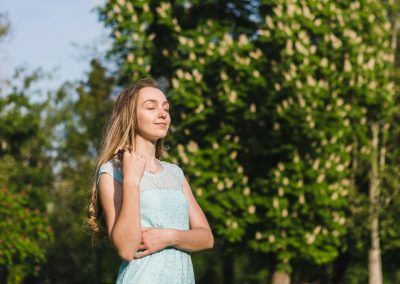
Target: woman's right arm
x,y
121,205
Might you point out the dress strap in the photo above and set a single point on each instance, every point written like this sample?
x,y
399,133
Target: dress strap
x,y
111,169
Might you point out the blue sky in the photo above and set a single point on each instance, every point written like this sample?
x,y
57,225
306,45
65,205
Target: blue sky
x,y
59,36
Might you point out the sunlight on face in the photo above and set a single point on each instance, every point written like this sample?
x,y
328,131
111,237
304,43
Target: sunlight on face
x,y
152,114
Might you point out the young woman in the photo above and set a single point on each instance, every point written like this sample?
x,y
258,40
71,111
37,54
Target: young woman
x,y
144,206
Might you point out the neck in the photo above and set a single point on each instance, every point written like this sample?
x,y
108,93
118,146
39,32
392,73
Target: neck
x,y
148,150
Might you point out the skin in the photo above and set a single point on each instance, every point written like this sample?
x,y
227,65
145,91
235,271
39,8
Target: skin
x,y
121,204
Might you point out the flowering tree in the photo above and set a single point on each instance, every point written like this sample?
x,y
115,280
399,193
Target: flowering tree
x,y
210,107
272,100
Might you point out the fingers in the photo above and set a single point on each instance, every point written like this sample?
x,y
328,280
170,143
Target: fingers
x,y
122,152
142,247
132,165
128,150
141,254
124,149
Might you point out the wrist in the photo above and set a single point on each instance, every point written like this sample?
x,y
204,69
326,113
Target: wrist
x,y
131,184
173,237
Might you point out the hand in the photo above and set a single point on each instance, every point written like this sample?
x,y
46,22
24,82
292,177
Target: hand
x,y
153,240
133,165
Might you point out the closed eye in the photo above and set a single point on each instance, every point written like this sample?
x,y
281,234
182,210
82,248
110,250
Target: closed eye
x,y
150,108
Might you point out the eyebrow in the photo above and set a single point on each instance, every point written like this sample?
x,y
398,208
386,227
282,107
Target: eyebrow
x,y
165,102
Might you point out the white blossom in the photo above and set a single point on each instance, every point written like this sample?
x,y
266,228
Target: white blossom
x,y
199,109
347,66
285,181
199,192
300,183
275,203
310,238
234,225
175,83
192,146
243,40
269,22
251,209
232,96
321,178
253,108
229,183
271,239
256,74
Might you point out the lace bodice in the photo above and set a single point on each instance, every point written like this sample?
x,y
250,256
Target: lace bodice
x,y
170,178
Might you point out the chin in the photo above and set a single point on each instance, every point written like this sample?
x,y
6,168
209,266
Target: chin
x,y
158,136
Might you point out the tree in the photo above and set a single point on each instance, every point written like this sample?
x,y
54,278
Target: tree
x,y
389,161
275,98
158,41
25,232
78,112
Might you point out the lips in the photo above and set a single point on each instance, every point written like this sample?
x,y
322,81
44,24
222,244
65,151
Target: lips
x,y
161,124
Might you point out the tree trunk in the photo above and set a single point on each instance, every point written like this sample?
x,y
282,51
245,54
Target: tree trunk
x,y
97,276
280,277
3,274
228,269
375,263
340,267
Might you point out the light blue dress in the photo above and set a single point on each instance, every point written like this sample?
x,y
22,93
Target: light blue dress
x,y
162,205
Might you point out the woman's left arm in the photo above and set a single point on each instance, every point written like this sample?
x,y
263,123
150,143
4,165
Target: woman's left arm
x,y
199,236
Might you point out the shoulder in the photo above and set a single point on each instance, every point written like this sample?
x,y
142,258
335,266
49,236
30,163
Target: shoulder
x,y
111,167
171,165
112,163
173,168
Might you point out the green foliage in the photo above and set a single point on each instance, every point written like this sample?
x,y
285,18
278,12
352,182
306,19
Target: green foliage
x,y
271,102
163,41
25,232
324,83
78,113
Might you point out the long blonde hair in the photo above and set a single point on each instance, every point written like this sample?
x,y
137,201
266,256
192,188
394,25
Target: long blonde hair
x,y
119,133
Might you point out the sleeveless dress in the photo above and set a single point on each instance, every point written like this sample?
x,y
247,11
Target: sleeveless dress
x,y
162,205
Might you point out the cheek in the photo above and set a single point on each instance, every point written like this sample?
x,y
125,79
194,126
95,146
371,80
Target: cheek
x,y
143,117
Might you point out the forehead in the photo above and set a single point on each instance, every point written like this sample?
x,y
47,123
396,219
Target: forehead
x,y
150,93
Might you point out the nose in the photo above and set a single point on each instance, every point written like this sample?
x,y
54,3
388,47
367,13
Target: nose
x,y
162,113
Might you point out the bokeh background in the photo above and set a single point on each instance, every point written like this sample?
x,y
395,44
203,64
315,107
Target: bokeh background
x,y
285,120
